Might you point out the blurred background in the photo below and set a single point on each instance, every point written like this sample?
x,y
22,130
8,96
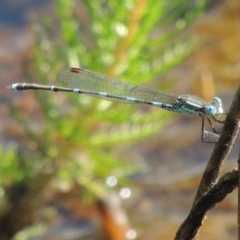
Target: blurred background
x,y
76,167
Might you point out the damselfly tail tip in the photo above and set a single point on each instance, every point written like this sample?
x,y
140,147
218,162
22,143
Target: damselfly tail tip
x,y
13,86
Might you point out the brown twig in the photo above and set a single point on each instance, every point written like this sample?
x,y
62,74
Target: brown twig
x,y
222,148
208,186
227,183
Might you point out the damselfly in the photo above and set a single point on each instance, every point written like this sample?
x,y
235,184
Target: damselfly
x,y
83,81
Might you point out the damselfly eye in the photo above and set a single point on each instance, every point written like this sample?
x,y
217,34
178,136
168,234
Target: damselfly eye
x,y
211,110
218,103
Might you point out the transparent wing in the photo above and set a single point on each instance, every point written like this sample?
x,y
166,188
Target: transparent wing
x,y
91,82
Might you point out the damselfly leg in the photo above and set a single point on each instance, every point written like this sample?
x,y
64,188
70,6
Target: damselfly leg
x,y
207,133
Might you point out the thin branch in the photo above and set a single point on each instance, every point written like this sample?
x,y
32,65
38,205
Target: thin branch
x,y
210,192
222,148
227,183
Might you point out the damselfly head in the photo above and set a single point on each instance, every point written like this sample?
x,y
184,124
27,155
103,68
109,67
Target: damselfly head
x,y
215,108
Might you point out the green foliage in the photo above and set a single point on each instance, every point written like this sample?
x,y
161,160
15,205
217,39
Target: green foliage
x,y
82,139
9,167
